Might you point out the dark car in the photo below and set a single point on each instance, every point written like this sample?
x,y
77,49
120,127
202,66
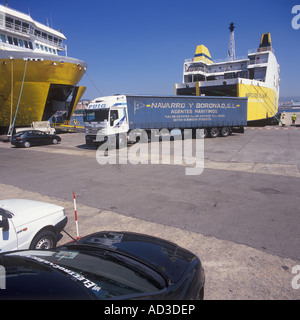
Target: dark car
x,y
104,265
30,138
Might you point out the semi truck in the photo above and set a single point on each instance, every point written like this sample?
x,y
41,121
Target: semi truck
x,y
115,117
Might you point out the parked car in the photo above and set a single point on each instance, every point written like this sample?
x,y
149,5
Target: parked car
x,y
30,138
28,224
105,265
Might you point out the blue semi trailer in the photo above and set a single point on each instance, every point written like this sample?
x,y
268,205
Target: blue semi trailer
x,y
116,116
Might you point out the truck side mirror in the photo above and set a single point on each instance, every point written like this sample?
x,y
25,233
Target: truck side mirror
x,y
4,224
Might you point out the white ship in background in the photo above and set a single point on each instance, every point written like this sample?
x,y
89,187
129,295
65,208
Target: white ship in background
x,y
255,76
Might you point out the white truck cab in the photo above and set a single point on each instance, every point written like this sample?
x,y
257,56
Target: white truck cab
x,y
106,116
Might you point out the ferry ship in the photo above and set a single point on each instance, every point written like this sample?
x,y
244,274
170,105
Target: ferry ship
x,y
290,106
38,79
256,76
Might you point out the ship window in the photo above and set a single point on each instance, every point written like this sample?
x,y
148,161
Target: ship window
x,y
17,25
21,43
50,38
243,74
37,33
10,40
26,44
230,75
198,77
3,38
260,74
46,49
41,47
30,45
9,22
16,42
25,27
1,20
44,35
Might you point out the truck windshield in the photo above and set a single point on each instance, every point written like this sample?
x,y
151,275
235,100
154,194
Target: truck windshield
x,y
95,115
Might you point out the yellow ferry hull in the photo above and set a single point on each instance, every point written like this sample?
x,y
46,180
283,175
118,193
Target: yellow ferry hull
x,y
262,102
27,84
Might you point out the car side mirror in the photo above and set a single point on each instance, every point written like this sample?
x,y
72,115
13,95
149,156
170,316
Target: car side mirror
x,y
4,224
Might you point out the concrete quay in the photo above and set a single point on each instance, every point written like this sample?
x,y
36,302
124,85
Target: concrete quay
x,y
240,215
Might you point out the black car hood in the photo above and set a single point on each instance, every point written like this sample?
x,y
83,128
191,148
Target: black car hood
x,y
165,257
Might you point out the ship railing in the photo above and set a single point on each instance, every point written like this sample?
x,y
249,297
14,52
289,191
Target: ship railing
x,y
214,69
258,60
221,60
9,26
230,59
192,68
14,47
58,44
251,51
21,30
263,49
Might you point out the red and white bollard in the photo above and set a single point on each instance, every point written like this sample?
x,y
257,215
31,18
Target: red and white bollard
x,y
76,220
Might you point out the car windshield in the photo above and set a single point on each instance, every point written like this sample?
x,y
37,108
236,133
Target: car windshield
x,y
96,115
104,274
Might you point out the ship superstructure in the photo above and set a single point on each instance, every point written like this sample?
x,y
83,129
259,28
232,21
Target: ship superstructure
x,y
255,76
37,80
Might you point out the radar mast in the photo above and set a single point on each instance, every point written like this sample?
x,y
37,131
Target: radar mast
x,y
231,46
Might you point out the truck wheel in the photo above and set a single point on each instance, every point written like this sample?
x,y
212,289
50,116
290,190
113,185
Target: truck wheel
x,y
145,137
121,141
45,239
225,131
214,132
27,144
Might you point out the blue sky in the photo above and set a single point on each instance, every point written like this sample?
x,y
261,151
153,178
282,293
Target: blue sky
x,y
139,47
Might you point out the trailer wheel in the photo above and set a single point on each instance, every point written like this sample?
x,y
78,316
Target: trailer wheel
x,y
200,133
214,132
225,131
205,133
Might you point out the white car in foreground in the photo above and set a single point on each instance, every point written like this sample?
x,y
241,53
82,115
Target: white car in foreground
x,y
28,224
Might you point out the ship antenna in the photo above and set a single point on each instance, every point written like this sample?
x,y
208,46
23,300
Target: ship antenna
x,y
231,46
